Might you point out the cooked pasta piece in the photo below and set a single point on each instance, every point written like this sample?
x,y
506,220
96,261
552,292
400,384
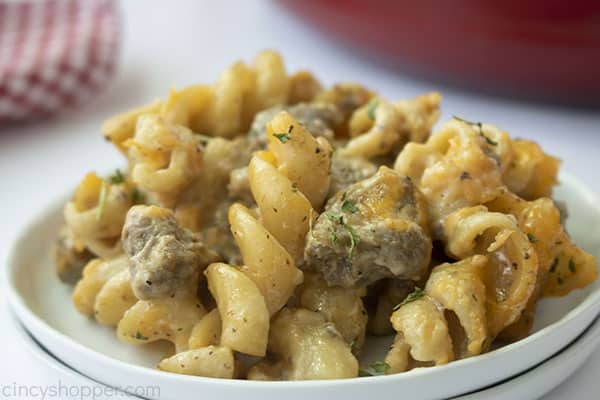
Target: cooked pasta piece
x,y
461,165
376,130
207,331
266,262
242,308
295,150
398,358
95,275
425,331
96,214
531,173
308,347
343,307
381,128
511,272
170,318
120,128
209,361
114,299
303,87
164,158
419,115
285,212
459,287
227,108
563,267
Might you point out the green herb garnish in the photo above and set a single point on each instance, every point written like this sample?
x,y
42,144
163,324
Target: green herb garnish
x,y
283,137
117,177
375,368
354,239
479,125
474,297
139,336
137,197
371,109
532,238
349,206
379,366
102,200
414,295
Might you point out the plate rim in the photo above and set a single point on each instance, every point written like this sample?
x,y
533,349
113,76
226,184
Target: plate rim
x,y
37,350
29,318
590,337
591,334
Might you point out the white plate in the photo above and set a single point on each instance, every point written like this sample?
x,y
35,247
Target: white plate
x,y
543,378
66,372
43,305
531,384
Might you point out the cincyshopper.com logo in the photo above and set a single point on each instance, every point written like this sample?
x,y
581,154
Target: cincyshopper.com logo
x,y
81,392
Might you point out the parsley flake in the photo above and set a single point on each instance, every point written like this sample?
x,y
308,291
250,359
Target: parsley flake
x,y
283,137
139,336
137,197
375,368
102,200
532,238
479,125
371,109
414,295
117,177
333,238
349,206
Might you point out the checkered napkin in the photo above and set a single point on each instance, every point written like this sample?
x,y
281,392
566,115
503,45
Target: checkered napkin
x,y
54,54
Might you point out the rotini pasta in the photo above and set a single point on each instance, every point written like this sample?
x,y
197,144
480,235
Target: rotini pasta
x,y
563,267
96,214
307,347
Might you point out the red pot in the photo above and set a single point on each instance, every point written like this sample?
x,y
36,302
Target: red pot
x,y
538,48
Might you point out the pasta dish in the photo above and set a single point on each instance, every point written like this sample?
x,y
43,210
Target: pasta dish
x,y
268,226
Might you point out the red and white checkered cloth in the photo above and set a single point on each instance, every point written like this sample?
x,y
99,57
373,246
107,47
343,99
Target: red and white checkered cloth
x,y
54,54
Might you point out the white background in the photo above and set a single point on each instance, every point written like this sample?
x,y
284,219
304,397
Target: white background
x,y
191,41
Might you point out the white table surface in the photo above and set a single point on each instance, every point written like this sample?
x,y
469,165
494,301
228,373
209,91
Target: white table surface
x,y
191,41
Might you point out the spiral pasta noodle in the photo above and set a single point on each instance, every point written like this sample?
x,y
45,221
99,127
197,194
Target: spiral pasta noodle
x,y
486,291
96,214
380,127
285,198
563,266
164,158
224,109
465,163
